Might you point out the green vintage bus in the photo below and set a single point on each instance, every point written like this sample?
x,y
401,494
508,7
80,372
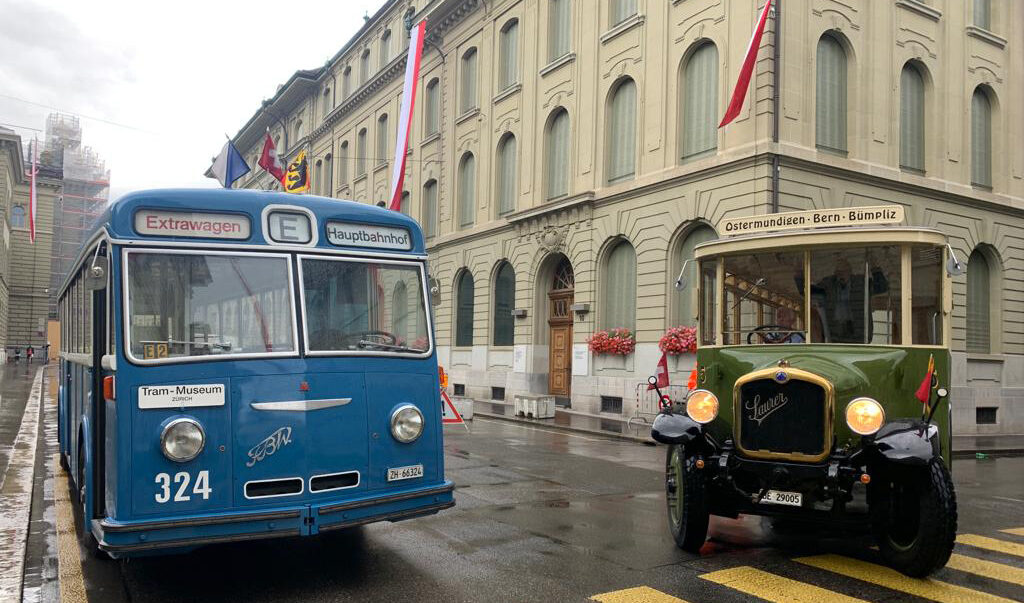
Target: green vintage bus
x,y
814,345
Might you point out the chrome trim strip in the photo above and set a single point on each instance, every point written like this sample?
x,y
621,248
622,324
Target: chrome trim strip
x,y
107,526
301,405
379,500
193,542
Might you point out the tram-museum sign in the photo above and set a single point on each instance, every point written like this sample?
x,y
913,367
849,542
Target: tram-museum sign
x,y
815,218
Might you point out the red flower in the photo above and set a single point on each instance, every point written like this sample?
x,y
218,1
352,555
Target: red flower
x,y
613,341
679,340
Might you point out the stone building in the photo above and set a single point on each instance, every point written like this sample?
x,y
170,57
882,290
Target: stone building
x,y
565,160
24,266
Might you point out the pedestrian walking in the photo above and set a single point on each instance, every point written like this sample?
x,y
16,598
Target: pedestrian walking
x,y
17,355
29,352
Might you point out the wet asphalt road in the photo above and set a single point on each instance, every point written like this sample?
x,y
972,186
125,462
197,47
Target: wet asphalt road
x,y
544,515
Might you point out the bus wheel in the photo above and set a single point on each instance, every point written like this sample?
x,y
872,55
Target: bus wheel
x,y
685,493
914,517
85,537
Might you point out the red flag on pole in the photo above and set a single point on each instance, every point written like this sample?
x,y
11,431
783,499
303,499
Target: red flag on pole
x,y
739,93
661,373
412,74
32,195
924,392
270,161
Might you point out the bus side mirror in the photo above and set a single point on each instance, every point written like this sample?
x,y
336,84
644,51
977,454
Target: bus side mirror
x,y
953,265
434,288
96,273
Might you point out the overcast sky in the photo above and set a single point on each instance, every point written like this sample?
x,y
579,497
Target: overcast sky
x,y
174,77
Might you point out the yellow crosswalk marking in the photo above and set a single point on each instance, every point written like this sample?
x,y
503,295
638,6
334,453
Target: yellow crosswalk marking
x,y
1014,531
988,569
992,544
777,589
640,594
890,578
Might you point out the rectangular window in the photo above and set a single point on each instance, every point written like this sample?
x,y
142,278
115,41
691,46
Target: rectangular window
x,y
430,209
431,106
622,10
708,305
459,389
856,295
611,404
764,298
184,305
559,32
983,14
926,294
361,153
497,393
364,307
985,415
509,68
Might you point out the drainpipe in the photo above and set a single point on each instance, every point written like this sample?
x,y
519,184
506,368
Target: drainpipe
x,y
775,104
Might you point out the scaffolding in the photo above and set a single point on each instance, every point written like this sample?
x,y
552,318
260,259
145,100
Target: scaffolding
x,y
85,195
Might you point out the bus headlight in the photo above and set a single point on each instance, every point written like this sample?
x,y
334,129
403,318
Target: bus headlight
x,y
702,406
182,439
864,416
406,423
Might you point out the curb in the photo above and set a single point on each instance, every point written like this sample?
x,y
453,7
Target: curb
x,y
554,427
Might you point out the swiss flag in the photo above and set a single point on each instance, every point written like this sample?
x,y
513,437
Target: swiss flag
x,y
661,373
270,161
739,93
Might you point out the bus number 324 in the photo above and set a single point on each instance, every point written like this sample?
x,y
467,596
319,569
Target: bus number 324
x,y
182,479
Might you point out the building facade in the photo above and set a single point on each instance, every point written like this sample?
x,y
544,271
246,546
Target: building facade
x,y
565,159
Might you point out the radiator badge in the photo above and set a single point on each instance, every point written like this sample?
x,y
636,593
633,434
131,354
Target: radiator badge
x,y
270,445
759,410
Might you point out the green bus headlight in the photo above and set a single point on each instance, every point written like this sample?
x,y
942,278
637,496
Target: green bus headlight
x,y
182,439
865,416
406,423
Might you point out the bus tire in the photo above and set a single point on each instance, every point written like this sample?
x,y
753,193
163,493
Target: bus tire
x,y
686,498
915,518
85,537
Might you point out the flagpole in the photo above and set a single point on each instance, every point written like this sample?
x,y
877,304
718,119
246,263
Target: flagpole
x,y
776,55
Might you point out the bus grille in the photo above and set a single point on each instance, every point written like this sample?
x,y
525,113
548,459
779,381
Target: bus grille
x,y
781,418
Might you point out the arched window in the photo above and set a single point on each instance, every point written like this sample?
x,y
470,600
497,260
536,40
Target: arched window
x,y
464,310
983,14
429,217
830,97
556,155
686,306
364,66
328,190
318,175
700,102
298,129
467,92
361,153
326,102
18,216
559,28
382,140
467,190
981,139
403,203
506,175
979,304
385,48
508,69
432,108
343,160
400,311
620,288
912,118
346,82
620,132
620,10
504,302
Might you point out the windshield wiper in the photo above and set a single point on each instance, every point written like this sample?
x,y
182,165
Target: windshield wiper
x,y
387,346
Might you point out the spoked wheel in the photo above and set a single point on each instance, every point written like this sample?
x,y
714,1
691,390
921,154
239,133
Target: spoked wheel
x,y
685,493
914,516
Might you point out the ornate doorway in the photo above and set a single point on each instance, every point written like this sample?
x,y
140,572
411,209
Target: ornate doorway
x,y
560,299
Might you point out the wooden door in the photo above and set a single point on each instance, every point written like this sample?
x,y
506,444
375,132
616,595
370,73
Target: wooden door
x,y
560,357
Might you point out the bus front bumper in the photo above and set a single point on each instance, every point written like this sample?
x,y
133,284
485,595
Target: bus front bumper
x,y
126,538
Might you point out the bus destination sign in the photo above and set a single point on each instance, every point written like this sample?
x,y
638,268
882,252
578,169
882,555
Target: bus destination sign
x,y
181,396
367,235
191,224
815,218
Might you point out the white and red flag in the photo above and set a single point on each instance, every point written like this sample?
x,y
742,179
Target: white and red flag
x,y
661,373
739,93
33,194
412,74
270,161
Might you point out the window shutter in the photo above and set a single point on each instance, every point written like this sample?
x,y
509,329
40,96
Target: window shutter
x,y
504,302
507,175
620,288
621,145
911,119
981,139
830,110
464,312
558,156
979,285
467,190
700,102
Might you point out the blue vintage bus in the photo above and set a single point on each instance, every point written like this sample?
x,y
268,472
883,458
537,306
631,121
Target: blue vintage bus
x,y
240,364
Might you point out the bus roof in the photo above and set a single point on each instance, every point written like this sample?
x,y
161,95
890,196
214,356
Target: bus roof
x,y
120,221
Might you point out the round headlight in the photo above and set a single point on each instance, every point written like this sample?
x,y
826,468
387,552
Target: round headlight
x,y
702,406
406,423
864,416
182,439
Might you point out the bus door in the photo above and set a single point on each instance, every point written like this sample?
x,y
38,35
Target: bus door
x,y
97,280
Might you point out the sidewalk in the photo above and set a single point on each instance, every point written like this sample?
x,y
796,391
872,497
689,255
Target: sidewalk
x,y
969,445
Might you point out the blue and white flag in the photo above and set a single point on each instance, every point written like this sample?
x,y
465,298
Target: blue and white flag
x,y
229,165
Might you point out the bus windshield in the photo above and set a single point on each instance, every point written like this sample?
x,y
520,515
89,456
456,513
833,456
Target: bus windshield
x,y
200,304
361,306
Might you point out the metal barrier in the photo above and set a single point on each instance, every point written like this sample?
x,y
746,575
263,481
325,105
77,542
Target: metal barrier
x,y
648,406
